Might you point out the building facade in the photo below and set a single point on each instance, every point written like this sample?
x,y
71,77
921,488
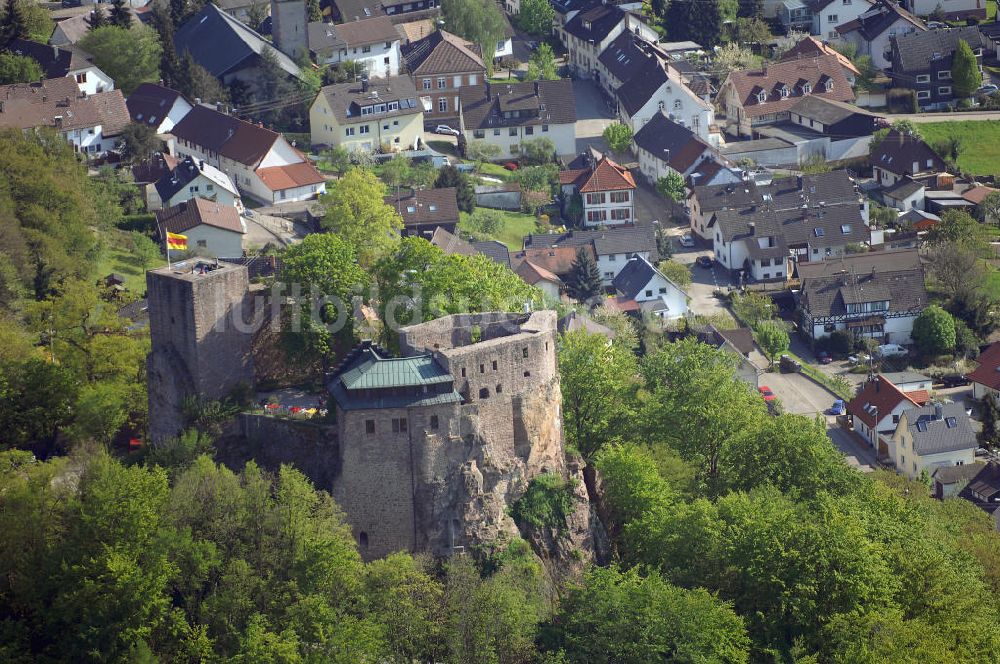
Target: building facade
x,y
369,116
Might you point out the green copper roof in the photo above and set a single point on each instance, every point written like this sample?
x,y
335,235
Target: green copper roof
x,y
374,372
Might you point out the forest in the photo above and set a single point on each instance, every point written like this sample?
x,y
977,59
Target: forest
x,y
733,535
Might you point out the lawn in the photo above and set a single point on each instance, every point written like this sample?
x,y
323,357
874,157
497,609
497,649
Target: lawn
x,y
516,226
494,170
117,257
991,286
980,143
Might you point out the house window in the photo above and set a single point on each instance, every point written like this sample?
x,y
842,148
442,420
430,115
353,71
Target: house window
x,y
620,214
529,131
202,243
545,128
944,90
649,293
363,129
496,132
595,199
677,104
472,79
479,133
923,78
457,82
923,94
662,290
512,131
946,74
81,78
597,215
619,197
369,427
434,421
442,83
832,18
427,84
443,104
399,425
366,49
829,86
612,258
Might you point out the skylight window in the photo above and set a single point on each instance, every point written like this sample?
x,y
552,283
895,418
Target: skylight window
x,y
819,232
922,426
951,422
845,229
411,209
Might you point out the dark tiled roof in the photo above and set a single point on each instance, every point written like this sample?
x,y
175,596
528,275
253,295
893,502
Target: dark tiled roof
x,y
558,260
442,53
877,396
574,321
986,483
624,240
955,474
828,111
351,34
793,74
149,103
551,101
823,227
882,261
346,99
903,189
915,51
28,105
741,338
661,133
55,62
221,44
231,137
831,188
939,428
634,277
897,152
450,243
595,23
988,371
624,54
828,293
354,10
649,75
195,212
733,196
495,251
179,178
429,206
154,168
878,19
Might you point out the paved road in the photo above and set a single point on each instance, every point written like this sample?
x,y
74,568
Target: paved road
x,y
592,115
798,394
944,117
851,445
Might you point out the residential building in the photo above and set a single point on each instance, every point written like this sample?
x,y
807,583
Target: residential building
x,y
954,10
93,124
505,45
73,29
397,10
901,156
755,97
795,15
157,107
369,115
921,61
607,191
872,31
541,278
811,47
612,248
739,342
212,229
574,321
877,295
228,49
951,481
905,195
641,282
450,243
983,491
705,200
443,66
193,179
424,210
240,9
828,14
556,259
827,130
592,29
506,115
372,43
911,381
506,196
68,60
932,436
875,412
260,162
986,377
663,146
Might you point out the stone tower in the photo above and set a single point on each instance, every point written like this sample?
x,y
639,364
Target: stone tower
x,y
200,340
289,19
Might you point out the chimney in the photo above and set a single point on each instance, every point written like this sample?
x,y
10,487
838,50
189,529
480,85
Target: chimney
x,y
55,52
197,101
59,121
938,412
364,83
201,165
878,384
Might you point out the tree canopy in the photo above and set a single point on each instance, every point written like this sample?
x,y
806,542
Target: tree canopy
x,y
965,76
357,212
131,57
19,69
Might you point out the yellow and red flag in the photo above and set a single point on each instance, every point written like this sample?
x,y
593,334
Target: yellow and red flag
x,y
177,242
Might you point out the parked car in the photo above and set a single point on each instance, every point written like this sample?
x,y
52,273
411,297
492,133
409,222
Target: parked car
x,y
954,380
890,350
838,407
767,393
511,166
445,129
686,241
936,25
988,89
824,357
788,365
704,261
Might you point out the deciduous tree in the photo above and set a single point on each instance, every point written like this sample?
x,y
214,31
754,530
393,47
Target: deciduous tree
x,y
357,212
449,176
536,17
542,64
671,186
934,331
130,57
19,69
479,21
965,76
772,338
618,137
677,272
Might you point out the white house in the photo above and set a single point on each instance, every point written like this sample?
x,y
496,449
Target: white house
x,y
507,115
369,115
212,229
68,60
371,42
875,410
157,107
641,282
663,146
876,294
612,247
871,32
954,10
828,14
193,179
930,437
657,87
588,33
261,163
540,277
91,123
607,191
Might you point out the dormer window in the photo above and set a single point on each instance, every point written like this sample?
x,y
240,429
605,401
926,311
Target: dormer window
x,y
784,91
807,88
411,209
829,86
761,97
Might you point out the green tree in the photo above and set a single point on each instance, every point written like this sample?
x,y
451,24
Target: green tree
x,y
772,338
536,17
631,487
139,141
357,212
989,436
257,14
584,279
677,272
989,208
965,76
200,83
19,69
538,151
752,30
542,64
315,13
630,618
479,21
484,223
694,20
966,342
753,308
27,20
170,63
37,401
145,250
272,83
407,601
751,9
934,331
120,15
480,151
618,137
130,57
671,186
396,171
449,176
730,57
597,381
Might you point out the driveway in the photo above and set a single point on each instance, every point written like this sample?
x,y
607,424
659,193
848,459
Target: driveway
x,y
851,445
592,115
798,394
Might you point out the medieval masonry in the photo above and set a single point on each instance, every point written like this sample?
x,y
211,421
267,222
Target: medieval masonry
x,y
429,449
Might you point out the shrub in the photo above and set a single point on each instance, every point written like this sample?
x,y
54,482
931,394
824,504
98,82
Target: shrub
x,y
547,502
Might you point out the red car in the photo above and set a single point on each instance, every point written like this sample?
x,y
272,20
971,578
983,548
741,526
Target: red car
x,y
766,392
511,166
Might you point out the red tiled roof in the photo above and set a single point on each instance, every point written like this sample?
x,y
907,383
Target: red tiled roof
x,y
879,393
793,74
920,396
532,274
622,304
988,371
290,176
605,176
557,260
811,47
